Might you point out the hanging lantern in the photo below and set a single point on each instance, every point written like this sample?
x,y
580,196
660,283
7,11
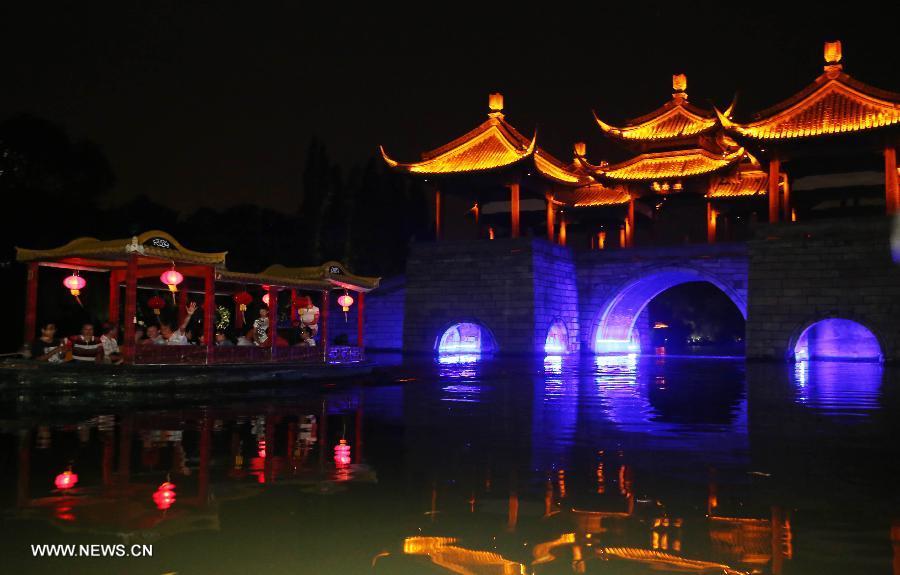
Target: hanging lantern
x,y
172,278
75,283
156,303
164,496
342,454
243,299
66,480
345,301
265,299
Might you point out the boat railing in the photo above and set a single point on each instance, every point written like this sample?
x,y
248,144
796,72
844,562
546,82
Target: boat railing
x,y
197,355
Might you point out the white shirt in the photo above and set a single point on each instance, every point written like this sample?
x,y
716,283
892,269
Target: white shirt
x,y
177,338
110,345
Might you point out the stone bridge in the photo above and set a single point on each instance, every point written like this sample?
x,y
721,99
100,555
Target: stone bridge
x,y
787,279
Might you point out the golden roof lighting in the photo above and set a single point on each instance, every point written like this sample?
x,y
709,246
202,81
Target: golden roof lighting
x,y
670,164
834,103
742,184
598,195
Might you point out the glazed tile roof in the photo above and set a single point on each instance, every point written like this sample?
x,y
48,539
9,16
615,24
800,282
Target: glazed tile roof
x,y
835,103
742,184
675,119
670,164
598,195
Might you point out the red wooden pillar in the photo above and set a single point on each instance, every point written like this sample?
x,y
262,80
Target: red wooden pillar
x,y
293,306
238,317
360,321
438,232
31,293
514,209
323,323
182,304
114,279
209,311
563,229
891,185
774,192
130,308
551,217
273,320
711,216
786,212
629,225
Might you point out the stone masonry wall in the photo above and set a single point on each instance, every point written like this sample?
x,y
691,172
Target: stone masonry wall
x,y
804,272
555,293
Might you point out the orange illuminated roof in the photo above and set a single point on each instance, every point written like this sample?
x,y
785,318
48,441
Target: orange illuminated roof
x,y
744,183
670,164
834,103
598,195
675,119
494,144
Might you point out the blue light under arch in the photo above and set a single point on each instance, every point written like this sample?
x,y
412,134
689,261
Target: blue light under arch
x,y
467,338
837,339
557,340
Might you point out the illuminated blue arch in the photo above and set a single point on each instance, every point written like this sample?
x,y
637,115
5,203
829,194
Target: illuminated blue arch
x,y
836,339
615,329
465,337
557,340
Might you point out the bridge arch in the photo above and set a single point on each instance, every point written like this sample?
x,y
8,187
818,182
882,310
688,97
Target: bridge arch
x,y
835,338
614,329
465,336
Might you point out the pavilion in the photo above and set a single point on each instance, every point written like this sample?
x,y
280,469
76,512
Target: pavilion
x,y
138,262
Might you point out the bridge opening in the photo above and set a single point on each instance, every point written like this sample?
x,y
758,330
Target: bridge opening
x,y
557,342
837,339
465,338
674,311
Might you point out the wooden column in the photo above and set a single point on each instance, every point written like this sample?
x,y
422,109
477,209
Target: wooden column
x,y
786,199
130,315
629,225
273,321
514,209
891,186
182,304
551,217
563,232
114,279
323,323
774,192
711,216
601,240
31,293
360,321
293,306
209,311
438,212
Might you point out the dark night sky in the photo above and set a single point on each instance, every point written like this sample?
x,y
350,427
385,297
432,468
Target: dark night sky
x,y
197,103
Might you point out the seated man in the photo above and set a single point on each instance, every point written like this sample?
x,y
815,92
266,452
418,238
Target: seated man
x,y
178,337
139,333
47,347
222,339
153,336
110,344
85,346
306,338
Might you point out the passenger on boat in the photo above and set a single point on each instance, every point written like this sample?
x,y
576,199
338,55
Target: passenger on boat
x,y
248,338
306,338
110,344
222,339
261,325
48,347
86,346
177,337
153,336
139,333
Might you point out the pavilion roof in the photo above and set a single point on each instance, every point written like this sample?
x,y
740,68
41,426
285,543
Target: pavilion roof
x,y
598,195
742,183
328,275
152,244
834,103
669,164
675,119
494,144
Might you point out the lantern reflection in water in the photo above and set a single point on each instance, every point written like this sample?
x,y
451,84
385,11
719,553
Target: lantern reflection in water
x,y
164,496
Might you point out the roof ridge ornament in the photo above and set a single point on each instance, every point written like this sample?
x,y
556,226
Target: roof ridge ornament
x,y
833,55
679,88
134,246
495,105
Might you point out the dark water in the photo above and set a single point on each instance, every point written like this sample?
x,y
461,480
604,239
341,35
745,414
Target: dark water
x,y
612,465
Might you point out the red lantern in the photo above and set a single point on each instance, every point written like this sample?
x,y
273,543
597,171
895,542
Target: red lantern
x,y
156,303
172,278
164,496
243,299
342,454
66,480
265,299
302,301
75,283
